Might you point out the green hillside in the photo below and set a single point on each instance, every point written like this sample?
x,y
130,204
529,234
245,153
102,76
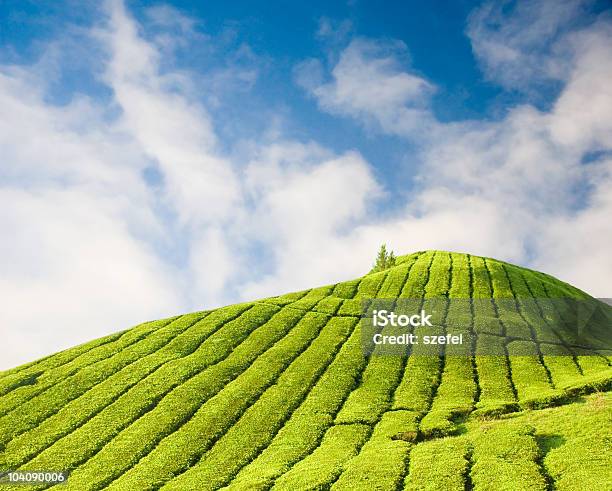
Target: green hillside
x,y
278,394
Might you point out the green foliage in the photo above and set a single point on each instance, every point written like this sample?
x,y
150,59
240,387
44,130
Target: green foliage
x,y
135,378
396,279
505,458
48,402
328,305
384,260
257,426
278,394
495,383
416,389
92,361
306,427
326,463
217,397
350,307
373,396
439,464
371,285
455,397
347,289
577,456
369,471
391,437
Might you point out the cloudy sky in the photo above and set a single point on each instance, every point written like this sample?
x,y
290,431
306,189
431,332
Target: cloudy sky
x,y
159,158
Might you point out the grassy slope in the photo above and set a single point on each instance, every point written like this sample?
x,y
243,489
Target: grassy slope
x,y
278,394
567,447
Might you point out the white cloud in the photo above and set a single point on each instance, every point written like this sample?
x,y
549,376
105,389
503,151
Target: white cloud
x,y
369,85
171,128
514,188
73,215
522,44
71,272
581,117
93,248
170,17
304,212
577,245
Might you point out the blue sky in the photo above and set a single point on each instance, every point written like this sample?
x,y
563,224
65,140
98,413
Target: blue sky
x,y
279,35
166,157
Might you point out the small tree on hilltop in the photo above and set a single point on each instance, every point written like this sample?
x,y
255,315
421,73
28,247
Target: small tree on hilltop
x,y
384,259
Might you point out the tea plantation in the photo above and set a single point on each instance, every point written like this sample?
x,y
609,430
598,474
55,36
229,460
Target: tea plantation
x,y
278,394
